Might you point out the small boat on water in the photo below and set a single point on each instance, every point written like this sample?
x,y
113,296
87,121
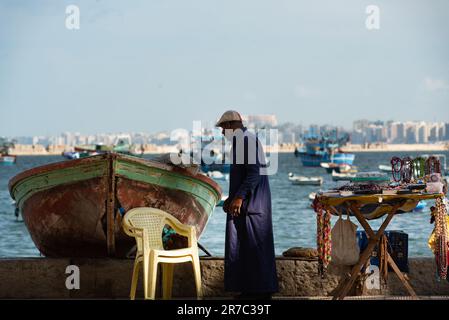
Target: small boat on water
x,y
339,168
325,148
330,166
385,168
215,162
302,180
5,156
7,159
87,150
352,169
74,208
121,147
77,154
218,175
420,206
342,176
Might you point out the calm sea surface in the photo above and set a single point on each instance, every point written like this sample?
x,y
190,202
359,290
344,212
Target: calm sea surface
x,y
293,220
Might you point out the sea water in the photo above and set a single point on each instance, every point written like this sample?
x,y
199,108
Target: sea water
x,y
294,221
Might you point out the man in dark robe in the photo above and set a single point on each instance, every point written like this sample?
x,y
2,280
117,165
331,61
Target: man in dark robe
x,y
250,266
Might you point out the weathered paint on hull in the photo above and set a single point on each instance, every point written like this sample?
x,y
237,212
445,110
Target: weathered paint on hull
x,y
132,194
68,217
68,220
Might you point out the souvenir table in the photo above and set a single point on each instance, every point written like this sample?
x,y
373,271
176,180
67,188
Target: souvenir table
x,y
338,203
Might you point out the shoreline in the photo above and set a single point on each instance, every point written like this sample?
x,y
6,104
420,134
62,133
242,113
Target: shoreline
x,y
53,150
396,148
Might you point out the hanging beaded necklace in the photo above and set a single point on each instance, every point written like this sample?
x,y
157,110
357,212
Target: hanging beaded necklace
x,y
433,165
396,167
324,245
406,170
441,238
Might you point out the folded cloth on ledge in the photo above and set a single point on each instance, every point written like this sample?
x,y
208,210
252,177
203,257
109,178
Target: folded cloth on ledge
x,y
300,252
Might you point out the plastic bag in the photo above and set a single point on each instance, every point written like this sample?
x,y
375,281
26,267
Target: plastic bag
x,y
345,247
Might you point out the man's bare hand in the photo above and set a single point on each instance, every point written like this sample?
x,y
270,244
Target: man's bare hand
x,y
235,206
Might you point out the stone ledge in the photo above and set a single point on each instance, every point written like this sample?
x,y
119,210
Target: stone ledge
x,y
44,278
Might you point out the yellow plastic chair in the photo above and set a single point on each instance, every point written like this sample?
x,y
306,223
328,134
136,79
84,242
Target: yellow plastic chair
x,y
146,226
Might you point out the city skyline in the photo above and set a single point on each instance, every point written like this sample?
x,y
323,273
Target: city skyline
x,y
362,131
153,66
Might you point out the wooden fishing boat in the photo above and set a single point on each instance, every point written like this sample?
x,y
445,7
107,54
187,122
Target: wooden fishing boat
x,y
74,208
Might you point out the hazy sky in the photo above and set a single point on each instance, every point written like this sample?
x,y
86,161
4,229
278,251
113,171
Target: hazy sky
x,y
160,64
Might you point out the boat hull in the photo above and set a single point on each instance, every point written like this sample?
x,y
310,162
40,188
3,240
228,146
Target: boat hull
x,y
74,209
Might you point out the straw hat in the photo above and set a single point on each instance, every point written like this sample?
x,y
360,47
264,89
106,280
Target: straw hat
x,y
229,115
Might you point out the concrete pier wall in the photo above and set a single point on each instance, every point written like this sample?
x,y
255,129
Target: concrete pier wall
x,y
43,278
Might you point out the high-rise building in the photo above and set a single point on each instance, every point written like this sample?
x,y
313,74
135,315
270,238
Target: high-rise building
x,y
423,133
446,129
441,131
374,133
433,132
397,132
411,134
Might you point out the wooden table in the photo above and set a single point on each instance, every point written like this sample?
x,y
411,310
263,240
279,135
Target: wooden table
x,y
353,203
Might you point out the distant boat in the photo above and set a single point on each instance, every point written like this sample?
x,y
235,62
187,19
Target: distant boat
x,y
384,168
312,196
420,206
7,159
342,176
339,168
75,155
371,177
5,156
215,162
302,180
349,169
217,175
74,208
318,150
95,149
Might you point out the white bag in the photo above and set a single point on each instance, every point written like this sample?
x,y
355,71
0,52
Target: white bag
x,y
345,247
